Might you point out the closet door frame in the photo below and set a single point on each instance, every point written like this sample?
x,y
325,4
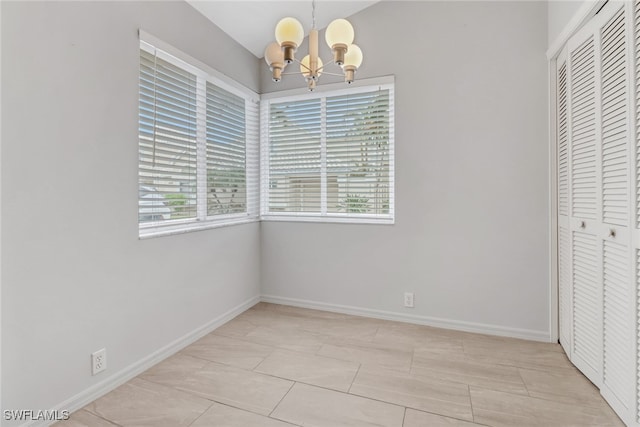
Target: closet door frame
x,y
554,238
557,221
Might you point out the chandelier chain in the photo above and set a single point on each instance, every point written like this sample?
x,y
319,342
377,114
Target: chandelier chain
x,y
313,13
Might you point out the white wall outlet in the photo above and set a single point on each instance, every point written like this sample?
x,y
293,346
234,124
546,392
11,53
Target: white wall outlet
x,y
98,361
408,299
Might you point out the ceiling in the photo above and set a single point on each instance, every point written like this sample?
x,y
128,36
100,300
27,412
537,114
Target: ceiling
x,y
252,23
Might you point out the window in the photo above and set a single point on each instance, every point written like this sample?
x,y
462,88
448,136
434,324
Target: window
x,y
329,156
198,137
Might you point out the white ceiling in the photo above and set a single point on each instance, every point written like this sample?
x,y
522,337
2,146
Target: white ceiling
x,y
252,23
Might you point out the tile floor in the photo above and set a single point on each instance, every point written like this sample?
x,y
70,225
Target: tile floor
x,y
278,366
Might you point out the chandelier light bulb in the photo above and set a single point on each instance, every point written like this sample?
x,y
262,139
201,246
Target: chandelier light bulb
x,y
352,60
339,36
339,31
273,54
353,57
289,34
274,57
305,66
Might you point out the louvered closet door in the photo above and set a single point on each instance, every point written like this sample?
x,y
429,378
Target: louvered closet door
x,y
598,243
618,370
634,299
564,232
584,204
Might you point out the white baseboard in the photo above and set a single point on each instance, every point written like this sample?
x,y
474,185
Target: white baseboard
x,y
94,392
481,328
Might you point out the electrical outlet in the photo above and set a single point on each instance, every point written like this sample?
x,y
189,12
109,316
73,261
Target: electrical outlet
x,y
408,299
98,361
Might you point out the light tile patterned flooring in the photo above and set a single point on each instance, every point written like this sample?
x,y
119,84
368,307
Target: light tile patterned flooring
x,y
278,366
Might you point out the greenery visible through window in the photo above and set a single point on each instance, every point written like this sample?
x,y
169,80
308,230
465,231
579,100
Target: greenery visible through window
x,y
226,153
331,155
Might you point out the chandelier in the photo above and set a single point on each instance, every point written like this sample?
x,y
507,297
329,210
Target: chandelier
x,y
290,34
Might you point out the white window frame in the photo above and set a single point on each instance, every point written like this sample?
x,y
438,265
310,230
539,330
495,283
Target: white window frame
x,y
324,91
205,74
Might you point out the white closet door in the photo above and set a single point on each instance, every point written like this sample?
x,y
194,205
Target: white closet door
x,y
564,233
635,152
618,369
598,119
603,202
584,107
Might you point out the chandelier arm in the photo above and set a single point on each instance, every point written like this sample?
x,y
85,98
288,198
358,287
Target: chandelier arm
x,y
297,61
328,63
302,65
291,73
332,74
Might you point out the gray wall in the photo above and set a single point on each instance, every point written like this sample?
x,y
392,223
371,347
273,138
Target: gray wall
x,y
75,277
471,237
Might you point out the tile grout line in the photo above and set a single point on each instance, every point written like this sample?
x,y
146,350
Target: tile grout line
x,y
473,415
350,394
410,407
99,416
210,399
354,378
413,354
254,413
313,354
524,382
262,361
280,401
452,417
203,412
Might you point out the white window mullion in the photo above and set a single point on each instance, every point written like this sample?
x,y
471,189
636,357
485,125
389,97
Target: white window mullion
x,y
264,157
323,156
392,155
201,137
252,158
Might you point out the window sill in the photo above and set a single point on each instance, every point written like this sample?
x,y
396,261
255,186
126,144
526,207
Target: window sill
x,y
168,230
328,219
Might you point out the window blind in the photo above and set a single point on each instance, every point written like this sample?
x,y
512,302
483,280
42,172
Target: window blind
x,y
198,146
294,156
226,152
329,156
358,153
167,141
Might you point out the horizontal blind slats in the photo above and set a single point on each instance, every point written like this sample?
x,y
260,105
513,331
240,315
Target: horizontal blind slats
x,y
358,153
226,152
345,153
167,141
294,156
192,144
